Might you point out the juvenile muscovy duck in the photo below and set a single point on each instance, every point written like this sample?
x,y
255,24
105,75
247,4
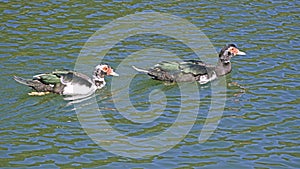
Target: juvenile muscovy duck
x,y
68,82
194,70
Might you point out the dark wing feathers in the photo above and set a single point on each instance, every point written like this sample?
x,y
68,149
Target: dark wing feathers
x,y
195,67
67,77
35,84
196,62
47,78
188,70
167,66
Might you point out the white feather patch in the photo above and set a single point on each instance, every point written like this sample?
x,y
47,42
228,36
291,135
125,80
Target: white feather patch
x,y
205,79
77,89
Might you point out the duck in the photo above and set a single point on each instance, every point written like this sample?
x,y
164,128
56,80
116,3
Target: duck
x,y
67,82
194,70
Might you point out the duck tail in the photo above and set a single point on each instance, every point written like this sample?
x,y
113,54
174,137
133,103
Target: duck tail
x,y
140,70
23,81
27,82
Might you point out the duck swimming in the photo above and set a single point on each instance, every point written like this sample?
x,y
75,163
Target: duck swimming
x,y
68,82
194,70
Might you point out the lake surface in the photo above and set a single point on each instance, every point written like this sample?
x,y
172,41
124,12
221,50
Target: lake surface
x,y
260,124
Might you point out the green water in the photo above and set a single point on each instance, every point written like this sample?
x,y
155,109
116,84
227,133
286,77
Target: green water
x,y
259,127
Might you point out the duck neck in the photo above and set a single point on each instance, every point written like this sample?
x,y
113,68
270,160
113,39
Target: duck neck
x,y
99,81
222,68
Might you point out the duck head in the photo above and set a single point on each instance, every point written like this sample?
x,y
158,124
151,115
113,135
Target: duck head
x,y
100,72
228,52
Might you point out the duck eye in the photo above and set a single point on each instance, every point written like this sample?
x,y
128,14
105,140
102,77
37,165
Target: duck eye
x,y
105,68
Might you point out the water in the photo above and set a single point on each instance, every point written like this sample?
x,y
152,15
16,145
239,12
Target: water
x,y
259,127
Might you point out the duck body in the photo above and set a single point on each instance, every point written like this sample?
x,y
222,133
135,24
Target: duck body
x,y
193,70
68,82
187,71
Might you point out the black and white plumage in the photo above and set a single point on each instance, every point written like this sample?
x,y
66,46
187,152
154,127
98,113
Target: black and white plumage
x,y
194,70
69,82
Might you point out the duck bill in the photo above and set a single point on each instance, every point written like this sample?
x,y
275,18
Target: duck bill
x,y
113,74
240,53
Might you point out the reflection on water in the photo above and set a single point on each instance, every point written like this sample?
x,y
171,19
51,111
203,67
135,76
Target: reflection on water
x,y
260,123
78,98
